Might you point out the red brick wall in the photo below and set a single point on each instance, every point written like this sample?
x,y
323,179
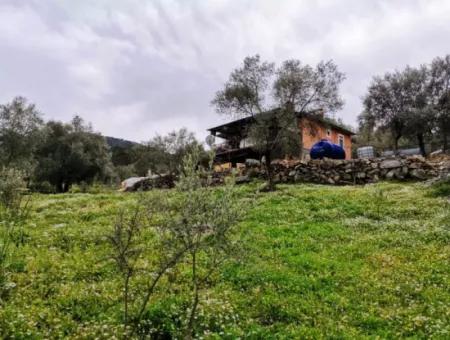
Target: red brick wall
x,y
313,132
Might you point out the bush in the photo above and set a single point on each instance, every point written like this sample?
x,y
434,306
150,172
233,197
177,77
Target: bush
x,y
12,186
13,211
84,188
125,171
44,187
441,188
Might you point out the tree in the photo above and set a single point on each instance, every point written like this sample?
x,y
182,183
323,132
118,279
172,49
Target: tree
x,y
276,99
418,112
164,154
408,103
188,227
71,153
386,104
439,87
19,130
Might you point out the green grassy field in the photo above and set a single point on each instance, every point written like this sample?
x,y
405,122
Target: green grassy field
x,y
316,262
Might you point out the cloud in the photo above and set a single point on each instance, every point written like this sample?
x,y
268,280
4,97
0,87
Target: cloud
x,y
135,68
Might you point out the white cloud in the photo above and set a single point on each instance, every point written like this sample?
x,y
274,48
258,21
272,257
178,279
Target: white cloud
x,y
137,67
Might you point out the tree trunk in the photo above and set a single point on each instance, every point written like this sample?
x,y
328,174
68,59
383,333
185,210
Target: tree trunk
x,y
421,144
125,296
270,182
396,140
189,332
445,142
60,187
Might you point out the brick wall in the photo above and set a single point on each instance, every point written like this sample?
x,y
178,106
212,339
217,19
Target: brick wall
x,y
313,132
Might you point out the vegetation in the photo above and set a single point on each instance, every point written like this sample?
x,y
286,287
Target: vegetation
x,y
55,156
316,261
20,123
14,210
188,227
275,103
413,104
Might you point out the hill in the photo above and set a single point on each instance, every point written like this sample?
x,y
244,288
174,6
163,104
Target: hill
x,y
119,142
316,262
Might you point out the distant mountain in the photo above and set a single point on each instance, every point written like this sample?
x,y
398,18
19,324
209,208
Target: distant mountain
x,y
119,142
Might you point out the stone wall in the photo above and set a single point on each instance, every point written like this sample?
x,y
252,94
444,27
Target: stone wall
x,y
326,171
341,172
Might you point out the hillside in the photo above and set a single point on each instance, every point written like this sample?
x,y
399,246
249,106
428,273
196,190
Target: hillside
x,y
316,261
119,142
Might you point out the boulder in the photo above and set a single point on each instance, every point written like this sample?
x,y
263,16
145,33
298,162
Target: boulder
x,y
418,173
147,183
390,164
250,162
132,183
361,175
391,174
242,179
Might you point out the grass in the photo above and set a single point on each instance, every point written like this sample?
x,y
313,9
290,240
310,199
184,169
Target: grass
x,y
317,262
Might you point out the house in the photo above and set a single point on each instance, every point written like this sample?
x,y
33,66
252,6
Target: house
x,y
313,127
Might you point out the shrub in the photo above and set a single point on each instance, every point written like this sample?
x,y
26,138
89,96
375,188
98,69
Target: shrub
x,y
12,185
44,187
442,188
13,211
189,228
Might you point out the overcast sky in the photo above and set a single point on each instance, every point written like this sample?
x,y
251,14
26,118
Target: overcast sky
x,y
135,68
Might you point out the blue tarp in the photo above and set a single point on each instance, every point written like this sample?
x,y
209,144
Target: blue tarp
x,y
325,148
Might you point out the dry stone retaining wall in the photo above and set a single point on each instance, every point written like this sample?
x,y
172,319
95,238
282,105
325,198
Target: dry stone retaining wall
x,y
326,171
355,171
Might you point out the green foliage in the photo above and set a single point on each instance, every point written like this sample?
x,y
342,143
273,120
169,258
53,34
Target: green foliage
x,y
412,104
275,104
125,171
11,186
72,153
164,154
13,212
188,228
317,262
441,188
19,133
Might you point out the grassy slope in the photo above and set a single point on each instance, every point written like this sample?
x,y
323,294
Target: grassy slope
x,y
319,261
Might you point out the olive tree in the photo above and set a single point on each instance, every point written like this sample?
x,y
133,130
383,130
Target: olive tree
x,y
71,153
188,228
20,122
439,87
411,103
275,98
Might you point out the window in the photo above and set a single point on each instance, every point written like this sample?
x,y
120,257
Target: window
x,y
341,140
328,132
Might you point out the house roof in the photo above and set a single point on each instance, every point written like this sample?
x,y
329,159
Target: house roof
x,y
237,127
333,124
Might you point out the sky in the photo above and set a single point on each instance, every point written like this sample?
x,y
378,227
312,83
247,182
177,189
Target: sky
x,y
137,68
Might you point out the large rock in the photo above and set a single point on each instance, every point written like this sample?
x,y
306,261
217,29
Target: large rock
x,y
418,173
130,183
147,183
242,179
390,164
250,162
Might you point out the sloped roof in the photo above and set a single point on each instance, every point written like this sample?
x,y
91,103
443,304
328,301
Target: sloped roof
x,y
237,126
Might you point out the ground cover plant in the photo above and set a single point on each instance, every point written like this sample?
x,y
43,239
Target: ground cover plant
x,y
316,261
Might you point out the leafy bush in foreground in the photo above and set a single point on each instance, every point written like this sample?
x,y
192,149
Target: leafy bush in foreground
x,y
189,229
13,211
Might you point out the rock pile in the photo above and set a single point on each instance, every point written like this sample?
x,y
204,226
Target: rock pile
x,y
147,183
325,171
355,171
